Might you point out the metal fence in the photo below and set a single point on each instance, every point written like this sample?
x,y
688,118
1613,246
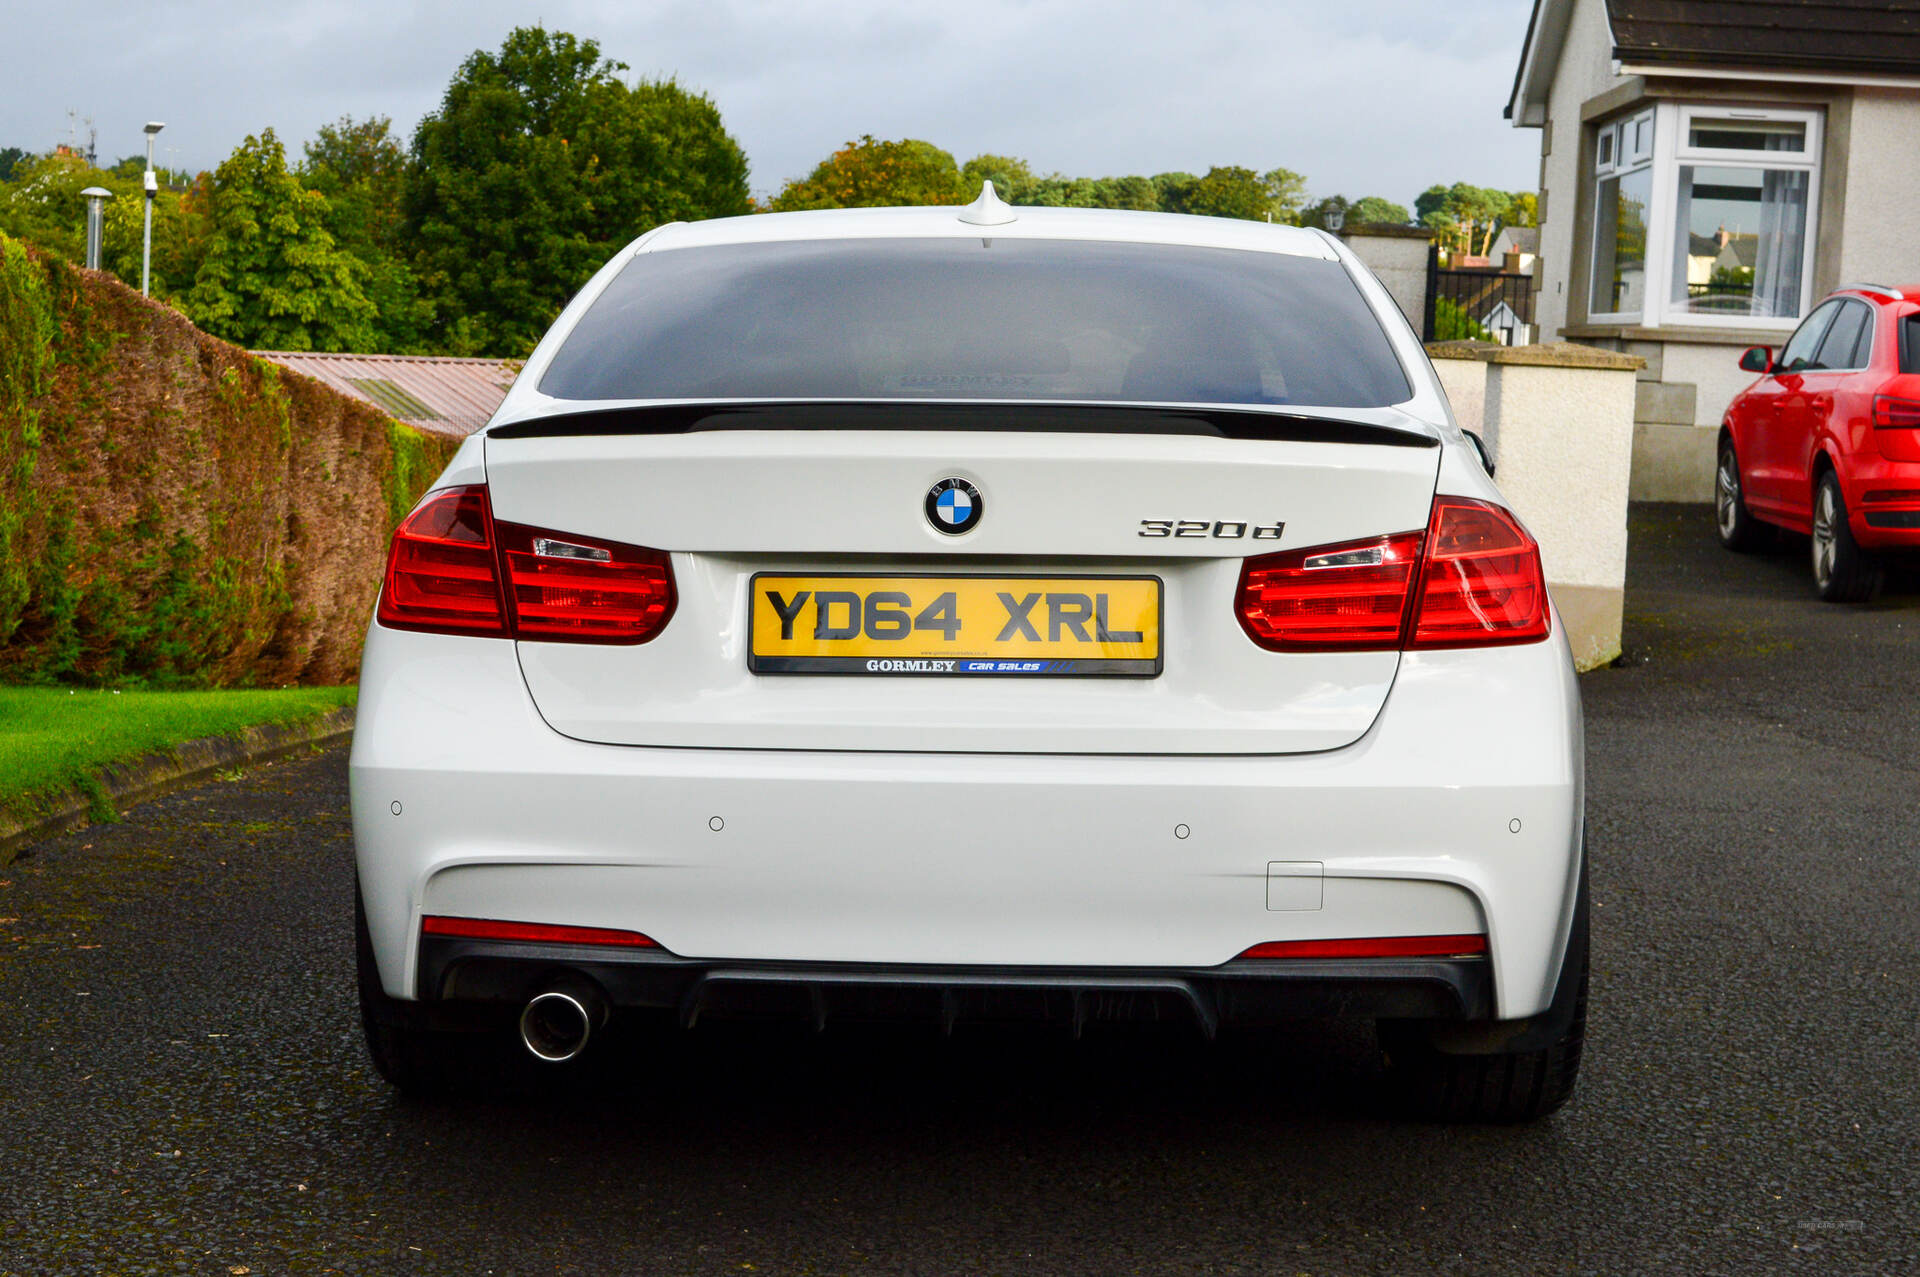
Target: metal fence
x,y
1480,303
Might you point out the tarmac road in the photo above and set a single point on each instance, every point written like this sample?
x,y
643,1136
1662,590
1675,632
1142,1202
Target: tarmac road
x,y
185,1089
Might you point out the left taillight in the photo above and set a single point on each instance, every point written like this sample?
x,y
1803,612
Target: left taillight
x,y
454,569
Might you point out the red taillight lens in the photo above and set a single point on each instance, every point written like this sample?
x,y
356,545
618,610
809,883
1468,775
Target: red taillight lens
x,y
1896,413
445,568
441,574
1341,598
1474,578
570,589
1458,946
1481,581
538,932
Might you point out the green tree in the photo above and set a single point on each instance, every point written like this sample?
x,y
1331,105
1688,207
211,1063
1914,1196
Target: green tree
x,y
273,276
43,206
1467,217
1372,210
1523,208
538,164
1286,195
361,169
182,229
870,173
1225,192
1013,179
9,156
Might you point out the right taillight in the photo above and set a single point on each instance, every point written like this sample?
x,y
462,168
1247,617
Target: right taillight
x,y
1889,412
450,558
1472,579
1480,579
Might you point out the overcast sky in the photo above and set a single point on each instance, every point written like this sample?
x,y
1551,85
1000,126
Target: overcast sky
x,y
1365,97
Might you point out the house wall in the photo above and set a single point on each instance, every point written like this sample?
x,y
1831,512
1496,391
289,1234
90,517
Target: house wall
x,y
1585,70
1881,241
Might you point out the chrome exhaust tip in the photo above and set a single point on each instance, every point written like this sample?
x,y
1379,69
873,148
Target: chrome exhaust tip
x,y
557,1024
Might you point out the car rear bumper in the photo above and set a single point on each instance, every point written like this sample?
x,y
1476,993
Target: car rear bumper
x,y
1883,502
1459,811
483,981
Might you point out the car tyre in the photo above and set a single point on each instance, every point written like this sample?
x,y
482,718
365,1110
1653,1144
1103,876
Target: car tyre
x,y
416,1062
1430,1080
1738,529
1842,571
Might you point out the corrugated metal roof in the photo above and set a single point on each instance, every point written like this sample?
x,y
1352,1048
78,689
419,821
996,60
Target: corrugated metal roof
x,y
454,396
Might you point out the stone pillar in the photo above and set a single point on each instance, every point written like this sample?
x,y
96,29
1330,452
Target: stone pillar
x,y
1559,421
1398,255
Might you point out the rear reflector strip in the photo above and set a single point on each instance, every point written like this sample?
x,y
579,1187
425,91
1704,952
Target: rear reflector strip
x,y
536,932
1467,946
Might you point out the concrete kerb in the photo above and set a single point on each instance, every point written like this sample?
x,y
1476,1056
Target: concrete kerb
x,y
151,775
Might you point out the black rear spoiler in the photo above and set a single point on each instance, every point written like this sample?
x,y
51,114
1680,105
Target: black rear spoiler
x,y
1044,418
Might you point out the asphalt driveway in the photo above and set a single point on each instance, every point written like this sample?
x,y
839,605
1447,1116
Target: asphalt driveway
x,y
185,1089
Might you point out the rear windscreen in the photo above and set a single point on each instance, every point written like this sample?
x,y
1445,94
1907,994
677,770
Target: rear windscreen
x,y
980,319
1910,344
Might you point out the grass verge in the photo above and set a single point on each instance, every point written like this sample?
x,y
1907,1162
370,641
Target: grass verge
x,y
54,739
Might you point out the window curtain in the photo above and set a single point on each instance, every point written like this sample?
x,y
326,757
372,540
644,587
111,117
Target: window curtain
x,y
1783,229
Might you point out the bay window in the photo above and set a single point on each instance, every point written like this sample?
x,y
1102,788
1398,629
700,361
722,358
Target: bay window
x,y
1705,215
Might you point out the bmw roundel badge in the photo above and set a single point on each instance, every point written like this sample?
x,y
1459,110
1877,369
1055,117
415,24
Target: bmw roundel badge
x,y
954,506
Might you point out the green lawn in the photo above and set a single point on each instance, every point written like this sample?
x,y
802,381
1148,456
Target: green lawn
x,y
55,738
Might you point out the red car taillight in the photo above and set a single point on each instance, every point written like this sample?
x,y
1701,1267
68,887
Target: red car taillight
x,y
449,558
1896,413
442,576
571,589
1473,579
1333,598
1480,579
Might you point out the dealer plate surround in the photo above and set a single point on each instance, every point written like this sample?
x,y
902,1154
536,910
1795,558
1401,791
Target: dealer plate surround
x,y
955,624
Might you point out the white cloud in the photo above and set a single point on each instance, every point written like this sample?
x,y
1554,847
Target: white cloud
x,y
1363,96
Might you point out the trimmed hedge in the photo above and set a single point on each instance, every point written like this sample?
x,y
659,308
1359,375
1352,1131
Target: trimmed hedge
x,y
174,510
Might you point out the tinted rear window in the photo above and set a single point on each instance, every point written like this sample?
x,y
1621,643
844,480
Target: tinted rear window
x,y
1910,344
980,319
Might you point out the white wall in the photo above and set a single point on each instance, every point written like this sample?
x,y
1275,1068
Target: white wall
x,y
1584,71
1400,262
1881,238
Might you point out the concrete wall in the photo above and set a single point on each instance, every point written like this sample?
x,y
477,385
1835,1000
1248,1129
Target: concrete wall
x,y
1559,420
1881,241
1398,255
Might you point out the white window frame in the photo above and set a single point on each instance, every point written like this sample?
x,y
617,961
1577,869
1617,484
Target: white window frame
x,y
1629,154
1672,124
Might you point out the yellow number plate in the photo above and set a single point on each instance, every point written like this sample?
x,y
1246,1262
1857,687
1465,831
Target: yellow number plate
x,y
955,625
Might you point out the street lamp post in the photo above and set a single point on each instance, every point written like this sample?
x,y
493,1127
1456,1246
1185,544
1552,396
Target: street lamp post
x,y
97,197
153,185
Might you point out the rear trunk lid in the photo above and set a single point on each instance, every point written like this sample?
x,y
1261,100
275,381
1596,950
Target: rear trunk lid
x,y
1083,509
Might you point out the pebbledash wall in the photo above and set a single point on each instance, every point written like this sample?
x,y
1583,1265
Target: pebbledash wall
x,y
1558,420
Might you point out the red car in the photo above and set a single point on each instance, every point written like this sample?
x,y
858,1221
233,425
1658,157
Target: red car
x,y
1827,441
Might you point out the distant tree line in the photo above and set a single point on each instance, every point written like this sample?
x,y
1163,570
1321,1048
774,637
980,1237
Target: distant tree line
x,y
541,161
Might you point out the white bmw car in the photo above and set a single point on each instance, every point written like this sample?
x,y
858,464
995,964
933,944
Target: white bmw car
x,y
972,614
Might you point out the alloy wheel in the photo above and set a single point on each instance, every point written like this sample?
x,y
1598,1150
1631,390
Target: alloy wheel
x,y
1825,516
1726,493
